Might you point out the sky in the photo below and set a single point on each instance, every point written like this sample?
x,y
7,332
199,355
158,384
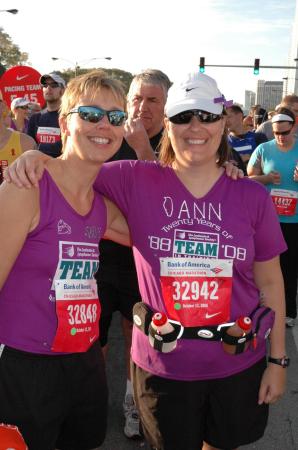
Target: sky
x,y
160,34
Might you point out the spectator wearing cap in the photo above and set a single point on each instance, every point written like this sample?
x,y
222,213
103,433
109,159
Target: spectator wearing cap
x,y
274,164
12,142
244,142
44,126
20,109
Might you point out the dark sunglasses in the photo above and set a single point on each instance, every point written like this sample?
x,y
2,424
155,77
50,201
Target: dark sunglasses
x,y
52,85
94,114
23,107
203,116
283,133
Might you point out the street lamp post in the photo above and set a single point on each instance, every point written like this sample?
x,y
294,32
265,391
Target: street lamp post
x,y
77,64
11,11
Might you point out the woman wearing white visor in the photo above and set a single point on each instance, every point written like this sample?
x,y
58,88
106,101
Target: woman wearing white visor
x,y
203,255
275,164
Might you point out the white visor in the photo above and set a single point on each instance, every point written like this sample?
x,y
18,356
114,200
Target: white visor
x,y
281,118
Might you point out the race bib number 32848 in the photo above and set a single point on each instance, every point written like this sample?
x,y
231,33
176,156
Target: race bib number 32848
x,y
78,312
197,291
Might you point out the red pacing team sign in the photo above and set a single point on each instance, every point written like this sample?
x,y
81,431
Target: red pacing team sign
x,y
21,81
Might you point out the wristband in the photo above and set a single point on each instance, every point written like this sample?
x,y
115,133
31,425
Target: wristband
x,y
283,362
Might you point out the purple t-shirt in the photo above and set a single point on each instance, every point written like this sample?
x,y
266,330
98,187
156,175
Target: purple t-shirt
x,y
63,246
165,220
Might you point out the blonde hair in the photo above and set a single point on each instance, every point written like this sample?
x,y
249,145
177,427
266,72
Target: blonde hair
x,y
89,84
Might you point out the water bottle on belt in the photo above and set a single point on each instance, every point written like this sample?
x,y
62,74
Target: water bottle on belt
x,y
160,331
240,329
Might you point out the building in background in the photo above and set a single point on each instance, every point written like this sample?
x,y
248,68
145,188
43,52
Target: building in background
x,y
250,100
291,78
269,93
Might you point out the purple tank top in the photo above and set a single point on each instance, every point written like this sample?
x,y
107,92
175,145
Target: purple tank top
x,y
63,246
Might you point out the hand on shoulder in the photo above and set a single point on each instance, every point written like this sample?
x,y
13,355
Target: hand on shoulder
x,y
26,170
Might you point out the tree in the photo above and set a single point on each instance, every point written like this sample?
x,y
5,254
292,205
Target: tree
x,y
122,75
10,54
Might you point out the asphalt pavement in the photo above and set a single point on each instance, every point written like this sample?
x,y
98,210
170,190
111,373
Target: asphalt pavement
x,y
282,430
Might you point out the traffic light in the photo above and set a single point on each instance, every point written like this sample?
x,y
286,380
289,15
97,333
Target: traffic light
x,y
257,66
202,64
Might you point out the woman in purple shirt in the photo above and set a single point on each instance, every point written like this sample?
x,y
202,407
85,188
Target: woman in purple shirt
x,y
52,376
204,257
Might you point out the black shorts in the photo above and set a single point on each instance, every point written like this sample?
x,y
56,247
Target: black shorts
x,y
56,401
179,415
114,299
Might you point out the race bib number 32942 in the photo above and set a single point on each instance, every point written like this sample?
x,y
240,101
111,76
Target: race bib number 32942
x,y
197,291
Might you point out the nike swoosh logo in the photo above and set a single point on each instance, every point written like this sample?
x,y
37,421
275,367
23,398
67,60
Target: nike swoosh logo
x,y
208,316
19,78
92,339
190,89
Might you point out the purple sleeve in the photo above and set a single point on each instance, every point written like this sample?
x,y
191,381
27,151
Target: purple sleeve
x,y
269,241
114,181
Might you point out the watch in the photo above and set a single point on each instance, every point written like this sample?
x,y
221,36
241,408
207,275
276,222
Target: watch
x,y
283,362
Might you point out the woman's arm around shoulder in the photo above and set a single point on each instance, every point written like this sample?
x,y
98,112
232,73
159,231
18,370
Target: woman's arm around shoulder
x,y
19,216
27,169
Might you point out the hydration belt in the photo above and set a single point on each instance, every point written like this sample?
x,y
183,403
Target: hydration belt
x,y
142,316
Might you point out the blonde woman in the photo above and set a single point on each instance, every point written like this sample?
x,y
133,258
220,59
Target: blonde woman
x,y
52,378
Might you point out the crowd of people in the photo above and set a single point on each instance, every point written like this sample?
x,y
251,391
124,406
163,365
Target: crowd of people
x,y
168,225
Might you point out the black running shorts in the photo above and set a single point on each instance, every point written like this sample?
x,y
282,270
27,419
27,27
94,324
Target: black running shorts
x,y
180,415
56,401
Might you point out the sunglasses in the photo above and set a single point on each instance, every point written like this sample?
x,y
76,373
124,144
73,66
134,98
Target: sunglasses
x,y
203,116
283,133
52,85
94,114
23,107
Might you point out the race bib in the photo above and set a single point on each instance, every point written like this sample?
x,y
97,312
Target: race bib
x,y
197,291
48,135
78,312
285,201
